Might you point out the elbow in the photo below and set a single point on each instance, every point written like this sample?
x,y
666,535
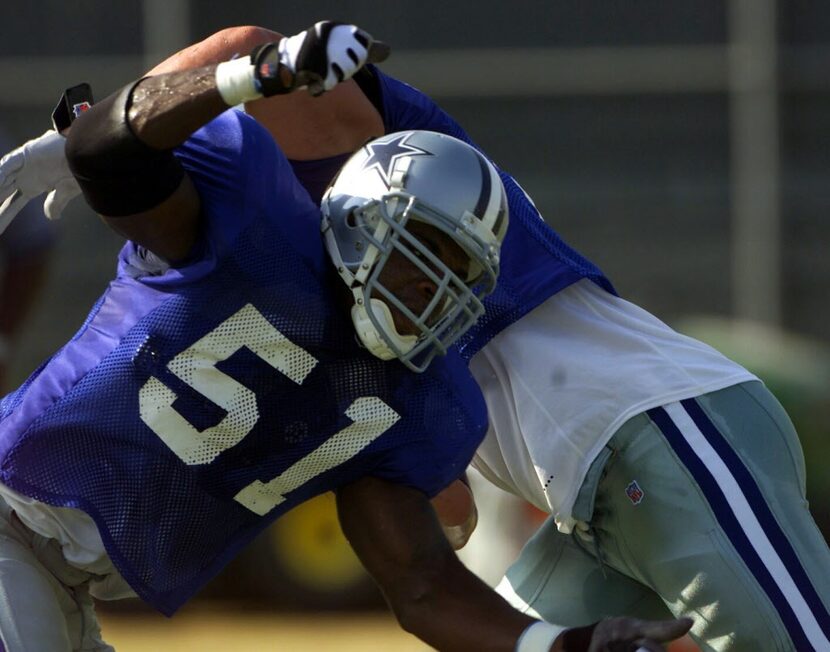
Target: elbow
x,y
118,173
413,600
410,613
101,144
219,46
87,148
244,38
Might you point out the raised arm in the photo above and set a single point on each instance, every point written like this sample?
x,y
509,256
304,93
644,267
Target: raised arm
x,y
304,127
121,150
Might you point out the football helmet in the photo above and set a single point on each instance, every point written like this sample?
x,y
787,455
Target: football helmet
x,y
391,182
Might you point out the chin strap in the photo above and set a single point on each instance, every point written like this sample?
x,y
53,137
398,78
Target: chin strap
x,y
369,334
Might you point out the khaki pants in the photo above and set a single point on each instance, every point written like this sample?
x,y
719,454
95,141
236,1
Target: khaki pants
x,y
45,604
697,508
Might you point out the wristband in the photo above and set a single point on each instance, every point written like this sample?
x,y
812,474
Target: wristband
x,y
235,81
119,173
538,637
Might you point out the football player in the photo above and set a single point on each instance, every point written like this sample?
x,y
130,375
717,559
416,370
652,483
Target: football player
x,y
674,479
218,380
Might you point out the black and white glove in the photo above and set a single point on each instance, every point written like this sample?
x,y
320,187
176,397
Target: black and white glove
x,y
317,59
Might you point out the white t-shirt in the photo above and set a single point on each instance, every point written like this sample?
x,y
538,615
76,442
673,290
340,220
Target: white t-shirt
x,y
562,380
79,538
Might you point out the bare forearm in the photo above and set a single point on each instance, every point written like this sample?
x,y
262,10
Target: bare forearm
x,y
395,532
165,110
217,47
454,610
305,127
120,151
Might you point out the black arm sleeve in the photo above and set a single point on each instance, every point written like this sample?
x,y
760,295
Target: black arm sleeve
x,y
119,174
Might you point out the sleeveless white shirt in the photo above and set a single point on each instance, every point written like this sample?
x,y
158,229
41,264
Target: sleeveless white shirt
x,y
562,380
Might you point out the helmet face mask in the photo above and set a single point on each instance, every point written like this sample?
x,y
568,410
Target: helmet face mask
x,y
371,218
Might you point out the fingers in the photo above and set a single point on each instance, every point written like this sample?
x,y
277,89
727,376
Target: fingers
x,y
379,52
348,49
11,207
316,88
665,630
10,165
35,167
327,54
57,199
632,633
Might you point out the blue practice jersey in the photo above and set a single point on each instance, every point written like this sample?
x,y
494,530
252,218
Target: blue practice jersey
x,y
198,404
535,262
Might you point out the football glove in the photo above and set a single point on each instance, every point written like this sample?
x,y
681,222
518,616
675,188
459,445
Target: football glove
x,y
316,59
319,58
36,167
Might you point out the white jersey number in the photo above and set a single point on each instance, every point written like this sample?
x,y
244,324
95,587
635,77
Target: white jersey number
x,y
196,366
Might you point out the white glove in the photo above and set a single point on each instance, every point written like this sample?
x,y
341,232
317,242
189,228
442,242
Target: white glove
x,y
317,59
36,167
325,55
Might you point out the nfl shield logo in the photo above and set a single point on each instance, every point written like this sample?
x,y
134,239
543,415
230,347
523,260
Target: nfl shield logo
x,y
634,493
79,108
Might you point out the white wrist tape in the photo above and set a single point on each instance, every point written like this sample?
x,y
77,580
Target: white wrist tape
x,y
538,637
235,81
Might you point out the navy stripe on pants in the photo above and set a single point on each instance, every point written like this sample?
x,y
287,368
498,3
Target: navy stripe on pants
x,y
737,501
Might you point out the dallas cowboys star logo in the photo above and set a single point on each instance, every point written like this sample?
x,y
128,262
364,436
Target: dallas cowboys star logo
x,y
384,155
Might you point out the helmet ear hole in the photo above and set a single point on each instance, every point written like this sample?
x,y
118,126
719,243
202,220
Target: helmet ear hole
x,y
351,220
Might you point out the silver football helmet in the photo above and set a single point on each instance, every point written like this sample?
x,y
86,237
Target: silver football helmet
x,y
391,182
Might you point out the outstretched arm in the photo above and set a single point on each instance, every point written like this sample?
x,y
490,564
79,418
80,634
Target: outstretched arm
x,y
304,127
120,150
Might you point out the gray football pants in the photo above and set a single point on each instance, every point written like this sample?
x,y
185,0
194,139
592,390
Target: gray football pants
x,y
695,508
45,604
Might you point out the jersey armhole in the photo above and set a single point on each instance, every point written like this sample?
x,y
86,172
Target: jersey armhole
x,y
369,83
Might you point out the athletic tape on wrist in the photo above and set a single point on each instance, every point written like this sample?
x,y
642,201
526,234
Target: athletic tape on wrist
x,y
538,637
235,81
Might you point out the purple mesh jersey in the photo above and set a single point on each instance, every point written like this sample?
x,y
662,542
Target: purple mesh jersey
x,y
535,262
198,404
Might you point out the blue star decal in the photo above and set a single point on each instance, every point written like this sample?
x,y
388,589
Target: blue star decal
x,y
383,155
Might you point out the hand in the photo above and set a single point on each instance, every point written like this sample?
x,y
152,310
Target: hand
x,y
456,511
36,167
318,58
633,635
